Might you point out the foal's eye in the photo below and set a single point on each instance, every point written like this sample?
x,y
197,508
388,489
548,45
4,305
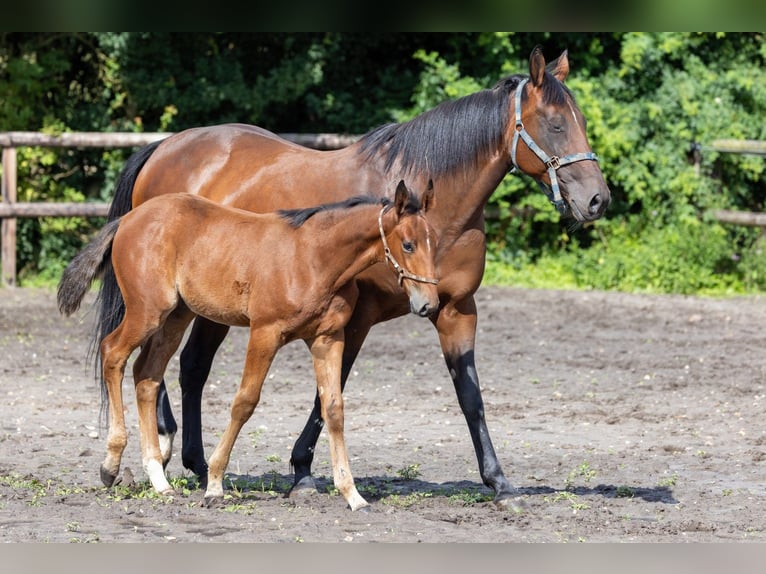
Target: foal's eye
x,y
408,246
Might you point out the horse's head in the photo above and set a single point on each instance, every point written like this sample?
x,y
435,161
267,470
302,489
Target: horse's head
x,y
410,247
549,141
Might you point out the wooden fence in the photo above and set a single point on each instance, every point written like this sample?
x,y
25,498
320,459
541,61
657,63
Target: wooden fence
x,y
10,209
750,147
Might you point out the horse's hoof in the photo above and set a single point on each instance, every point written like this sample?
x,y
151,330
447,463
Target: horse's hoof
x,y
303,488
511,503
107,478
366,509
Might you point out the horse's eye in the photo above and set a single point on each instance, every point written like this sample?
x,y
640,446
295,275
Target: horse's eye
x,y
408,246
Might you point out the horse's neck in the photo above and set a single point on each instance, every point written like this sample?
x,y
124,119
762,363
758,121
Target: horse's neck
x,y
461,199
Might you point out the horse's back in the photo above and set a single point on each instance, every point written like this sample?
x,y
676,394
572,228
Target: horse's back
x,y
248,167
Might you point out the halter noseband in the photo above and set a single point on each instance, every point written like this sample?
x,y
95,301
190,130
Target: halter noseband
x,y
401,272
551,162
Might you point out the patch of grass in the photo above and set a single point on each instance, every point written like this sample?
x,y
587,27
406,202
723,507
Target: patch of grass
x,y
571,497
38,489
625,492
405,500
469,497
583,471
271,484
409,472
669,481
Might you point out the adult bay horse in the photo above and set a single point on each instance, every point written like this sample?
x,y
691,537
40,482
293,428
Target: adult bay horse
x,y
530,124
286,276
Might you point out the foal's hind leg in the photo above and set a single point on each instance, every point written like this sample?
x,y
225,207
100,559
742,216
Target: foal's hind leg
x,y
115,350
147,374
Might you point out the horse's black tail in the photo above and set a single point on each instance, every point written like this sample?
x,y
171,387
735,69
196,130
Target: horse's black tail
x,y
111,307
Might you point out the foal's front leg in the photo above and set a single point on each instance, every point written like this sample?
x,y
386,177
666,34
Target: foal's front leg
x,y
261,349
327,352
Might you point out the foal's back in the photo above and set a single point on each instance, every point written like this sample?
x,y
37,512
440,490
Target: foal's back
x,y
214,258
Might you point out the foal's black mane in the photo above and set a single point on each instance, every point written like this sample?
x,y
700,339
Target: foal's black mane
x,y
455,135
297,217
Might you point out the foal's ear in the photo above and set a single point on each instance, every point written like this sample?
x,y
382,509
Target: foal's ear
x,y
560,68
537,66
427,201
401,198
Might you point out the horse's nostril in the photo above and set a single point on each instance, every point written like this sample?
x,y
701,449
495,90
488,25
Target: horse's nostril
x,y
595,204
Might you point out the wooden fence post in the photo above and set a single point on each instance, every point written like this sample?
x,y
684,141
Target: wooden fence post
x,y
8,229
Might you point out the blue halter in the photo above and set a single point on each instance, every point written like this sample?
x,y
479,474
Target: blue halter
x,y
551,162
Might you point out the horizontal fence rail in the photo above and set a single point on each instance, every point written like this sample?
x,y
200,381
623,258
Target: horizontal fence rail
x,y
747,147
10,209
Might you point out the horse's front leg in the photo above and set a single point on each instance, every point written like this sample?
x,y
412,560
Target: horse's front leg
x,y
196,360
456,325
327,353
303,451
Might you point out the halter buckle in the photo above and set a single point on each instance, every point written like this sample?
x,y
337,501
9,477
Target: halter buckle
x,y
553,163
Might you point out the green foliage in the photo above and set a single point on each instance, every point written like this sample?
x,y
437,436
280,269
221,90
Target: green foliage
x,y
647,97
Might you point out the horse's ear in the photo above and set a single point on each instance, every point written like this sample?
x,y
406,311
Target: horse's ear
x,y
401,198
427,201
537,67
561,67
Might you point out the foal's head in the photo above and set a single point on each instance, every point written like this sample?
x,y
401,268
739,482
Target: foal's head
x,y
410,247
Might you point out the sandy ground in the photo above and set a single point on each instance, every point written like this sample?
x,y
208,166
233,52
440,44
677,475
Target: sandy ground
x,y
619,418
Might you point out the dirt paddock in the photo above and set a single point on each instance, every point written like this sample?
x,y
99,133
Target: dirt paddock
x,y
619,418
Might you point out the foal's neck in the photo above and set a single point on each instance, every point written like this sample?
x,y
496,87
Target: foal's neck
x,y
347,241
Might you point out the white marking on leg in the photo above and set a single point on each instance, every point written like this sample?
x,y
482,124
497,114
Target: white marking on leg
x,y
157,477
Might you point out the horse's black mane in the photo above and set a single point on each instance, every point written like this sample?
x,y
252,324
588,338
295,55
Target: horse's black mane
x,y
454,135
297,217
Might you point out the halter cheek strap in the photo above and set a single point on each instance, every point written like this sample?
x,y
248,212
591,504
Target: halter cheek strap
x,y
553,163
400,271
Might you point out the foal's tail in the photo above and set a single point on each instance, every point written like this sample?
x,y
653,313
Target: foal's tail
x,y
87,266
111,307
94,262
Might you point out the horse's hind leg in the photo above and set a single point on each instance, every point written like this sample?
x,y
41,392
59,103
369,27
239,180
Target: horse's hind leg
x,y
196,360
327,352
147,374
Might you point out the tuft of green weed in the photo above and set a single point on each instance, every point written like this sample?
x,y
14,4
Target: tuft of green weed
x,y
409,472
583,471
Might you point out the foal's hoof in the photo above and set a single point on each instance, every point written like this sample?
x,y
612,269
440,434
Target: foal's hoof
x,y
366,509
303,488
107,477
212,502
